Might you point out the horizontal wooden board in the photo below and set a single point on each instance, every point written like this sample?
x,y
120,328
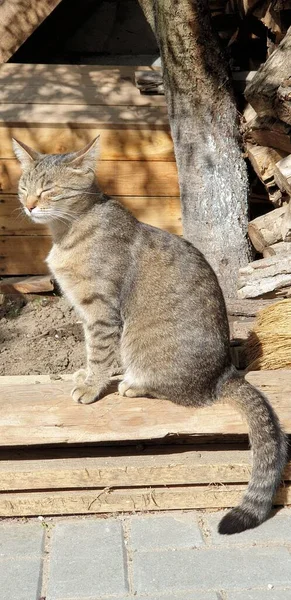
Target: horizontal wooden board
x,y
44,413
163,212
35,74
116,143
82,115
117,178
109,500
127,468
106,89
13,220
24,245
24,255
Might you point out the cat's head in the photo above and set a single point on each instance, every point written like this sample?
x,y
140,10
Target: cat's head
x,y
51,185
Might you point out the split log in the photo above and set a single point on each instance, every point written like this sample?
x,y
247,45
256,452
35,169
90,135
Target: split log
x,y
282,248
282,174
264,276
267,229
286,224
263,160
283,101
266,131
261,92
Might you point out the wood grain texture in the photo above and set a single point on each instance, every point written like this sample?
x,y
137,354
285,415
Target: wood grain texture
x,y
24,244
262,89
24,255
18,19
121,142
109,500
124,468
117,178
44,413
163,212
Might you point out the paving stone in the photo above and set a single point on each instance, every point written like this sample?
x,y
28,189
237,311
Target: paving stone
x,y
282,594
278,528
220,568
165,531
87,560
20,579
188,596
21,539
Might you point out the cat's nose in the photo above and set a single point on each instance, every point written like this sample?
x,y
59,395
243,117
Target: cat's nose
x,y
31,202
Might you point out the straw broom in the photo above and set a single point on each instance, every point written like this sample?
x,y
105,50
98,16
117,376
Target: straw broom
x,y
269,343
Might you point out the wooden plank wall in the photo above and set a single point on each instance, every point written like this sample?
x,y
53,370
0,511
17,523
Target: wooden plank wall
x,y
61,108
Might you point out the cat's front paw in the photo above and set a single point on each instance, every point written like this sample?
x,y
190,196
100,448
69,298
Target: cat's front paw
x,y
84,394
131,390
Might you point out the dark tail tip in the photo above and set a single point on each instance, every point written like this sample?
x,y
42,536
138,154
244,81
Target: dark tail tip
x,y
236,521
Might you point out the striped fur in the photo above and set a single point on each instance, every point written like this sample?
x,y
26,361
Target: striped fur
x,y
151,307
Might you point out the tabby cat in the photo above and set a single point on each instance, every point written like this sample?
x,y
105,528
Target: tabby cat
x,y
151,307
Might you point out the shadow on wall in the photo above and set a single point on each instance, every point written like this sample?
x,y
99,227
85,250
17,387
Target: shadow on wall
x,y
80,31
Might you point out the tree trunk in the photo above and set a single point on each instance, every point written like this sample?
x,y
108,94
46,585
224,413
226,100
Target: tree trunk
x,y
203,119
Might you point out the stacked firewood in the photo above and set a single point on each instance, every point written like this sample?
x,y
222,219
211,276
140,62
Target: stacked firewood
x,y
267,137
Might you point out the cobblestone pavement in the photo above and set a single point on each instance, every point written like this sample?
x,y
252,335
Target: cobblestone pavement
x,y
162,556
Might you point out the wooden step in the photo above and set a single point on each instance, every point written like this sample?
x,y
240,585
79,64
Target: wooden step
x,y
108,500
44,414
50,463
100,480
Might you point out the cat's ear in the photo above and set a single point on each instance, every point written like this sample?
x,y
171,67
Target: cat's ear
x,y
85,159
26,155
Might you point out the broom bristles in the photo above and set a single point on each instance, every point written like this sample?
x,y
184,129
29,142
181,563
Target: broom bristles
x,y
269,343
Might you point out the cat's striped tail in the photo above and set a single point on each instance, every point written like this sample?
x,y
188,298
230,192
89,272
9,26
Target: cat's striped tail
x,y
269,449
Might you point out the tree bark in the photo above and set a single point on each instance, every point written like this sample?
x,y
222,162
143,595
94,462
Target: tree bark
x,y
203,120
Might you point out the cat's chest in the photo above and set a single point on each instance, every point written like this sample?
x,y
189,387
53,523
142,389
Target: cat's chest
x,y
66,267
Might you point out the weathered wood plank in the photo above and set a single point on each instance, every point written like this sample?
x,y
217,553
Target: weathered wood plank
x,y
109,500
116,143
40,414
18,20
154,466
117,178
163,212
262,89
